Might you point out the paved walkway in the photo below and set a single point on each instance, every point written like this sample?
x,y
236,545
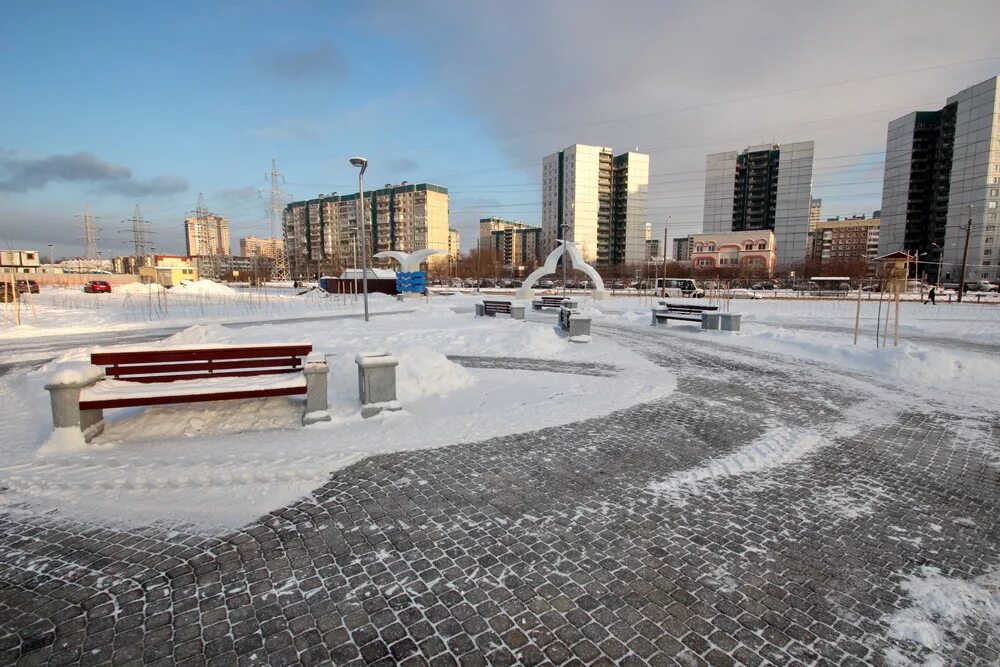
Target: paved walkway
x,y
739,520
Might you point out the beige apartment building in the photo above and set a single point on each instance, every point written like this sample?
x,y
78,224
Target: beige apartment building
x,y
454,244
252,246
207,236
321,234
751,249
847,240
512,242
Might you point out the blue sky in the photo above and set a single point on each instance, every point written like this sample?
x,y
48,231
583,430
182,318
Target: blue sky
x,y
118,103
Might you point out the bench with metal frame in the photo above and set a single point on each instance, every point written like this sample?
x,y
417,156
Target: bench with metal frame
x,y
490,308
680,311
547,302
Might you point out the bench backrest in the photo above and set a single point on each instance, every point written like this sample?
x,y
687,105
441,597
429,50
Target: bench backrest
x,y
192,364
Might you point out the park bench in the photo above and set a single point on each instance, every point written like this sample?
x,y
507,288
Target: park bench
x,y
547,302
577,326
120,379
680,311
491,308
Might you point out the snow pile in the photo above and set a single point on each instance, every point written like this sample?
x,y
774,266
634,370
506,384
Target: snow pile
x,y
139,288
76,372
424,372
203,287
943,610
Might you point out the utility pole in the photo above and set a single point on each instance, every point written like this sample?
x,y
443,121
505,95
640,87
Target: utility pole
x,y
965,256
665,225
275,205
138,228
202,238
89,233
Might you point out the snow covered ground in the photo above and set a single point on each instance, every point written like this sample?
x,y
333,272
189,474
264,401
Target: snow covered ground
x,y
226,463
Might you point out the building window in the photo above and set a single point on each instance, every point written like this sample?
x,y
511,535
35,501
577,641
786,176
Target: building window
x,y
993,204
711,246
995,192
987,252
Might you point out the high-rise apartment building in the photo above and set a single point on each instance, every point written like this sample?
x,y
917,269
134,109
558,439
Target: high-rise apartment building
x,y
600,199
252,246
815,210
208,235
682,249
322,232
512,242
851,240
454,244
765,187
942,168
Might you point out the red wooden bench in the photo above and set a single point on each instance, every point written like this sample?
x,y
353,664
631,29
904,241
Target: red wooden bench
x,y
191,375
184,365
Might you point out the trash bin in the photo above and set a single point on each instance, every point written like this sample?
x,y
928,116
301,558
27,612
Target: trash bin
x,y
729,321
709,321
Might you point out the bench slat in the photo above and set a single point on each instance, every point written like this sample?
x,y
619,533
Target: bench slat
x,y
107,404
289,363
154,379
155,356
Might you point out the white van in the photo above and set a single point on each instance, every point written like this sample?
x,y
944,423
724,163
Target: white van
x,y
679,287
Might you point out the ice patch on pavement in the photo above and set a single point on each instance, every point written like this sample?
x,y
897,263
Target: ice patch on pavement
x,y
943,609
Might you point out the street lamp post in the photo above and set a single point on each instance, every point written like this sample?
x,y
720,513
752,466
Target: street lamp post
x,y
363,164
565,227
51,260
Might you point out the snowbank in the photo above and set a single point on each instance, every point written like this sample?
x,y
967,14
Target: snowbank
x,y
203,287
139,288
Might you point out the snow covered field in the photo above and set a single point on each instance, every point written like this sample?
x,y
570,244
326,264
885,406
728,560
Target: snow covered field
x,y
226,463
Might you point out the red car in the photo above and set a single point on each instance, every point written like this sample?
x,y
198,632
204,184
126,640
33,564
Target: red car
x,y
96,286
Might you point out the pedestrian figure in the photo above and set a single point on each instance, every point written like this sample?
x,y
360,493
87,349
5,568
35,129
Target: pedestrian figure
x,y
930,296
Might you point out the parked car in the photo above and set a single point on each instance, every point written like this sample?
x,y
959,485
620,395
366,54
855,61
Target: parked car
x,y
974,286
26,286
97,286
743,294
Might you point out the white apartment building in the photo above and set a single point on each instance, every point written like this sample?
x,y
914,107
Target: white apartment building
x,y
601,200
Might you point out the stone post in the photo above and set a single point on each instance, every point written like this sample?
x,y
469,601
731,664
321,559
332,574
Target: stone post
x,y
317,372
376,383
517,311
64,394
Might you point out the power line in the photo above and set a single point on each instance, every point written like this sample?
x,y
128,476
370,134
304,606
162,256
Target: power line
x,y
139,228
89,233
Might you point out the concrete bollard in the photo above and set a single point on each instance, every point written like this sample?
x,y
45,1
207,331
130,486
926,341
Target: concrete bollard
x,y
517,312
480,310
317,372
709,321
579,329
376,383
729,321
64,394
572,304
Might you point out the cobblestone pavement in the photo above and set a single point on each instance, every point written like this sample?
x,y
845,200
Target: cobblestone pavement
x,y
523,364
552,547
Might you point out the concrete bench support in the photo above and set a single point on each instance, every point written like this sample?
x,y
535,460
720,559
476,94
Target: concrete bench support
x,y
729,321
317,373
517,312
709,321
65,398
480,310
576,326
376,383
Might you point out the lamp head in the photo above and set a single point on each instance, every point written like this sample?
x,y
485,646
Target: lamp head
x,y
358,161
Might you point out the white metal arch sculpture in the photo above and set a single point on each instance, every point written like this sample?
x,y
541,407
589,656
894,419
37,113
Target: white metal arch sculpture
x,y
552,261
409,261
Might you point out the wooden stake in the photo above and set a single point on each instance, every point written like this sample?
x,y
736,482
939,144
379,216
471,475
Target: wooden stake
x,y
895,332
857,317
